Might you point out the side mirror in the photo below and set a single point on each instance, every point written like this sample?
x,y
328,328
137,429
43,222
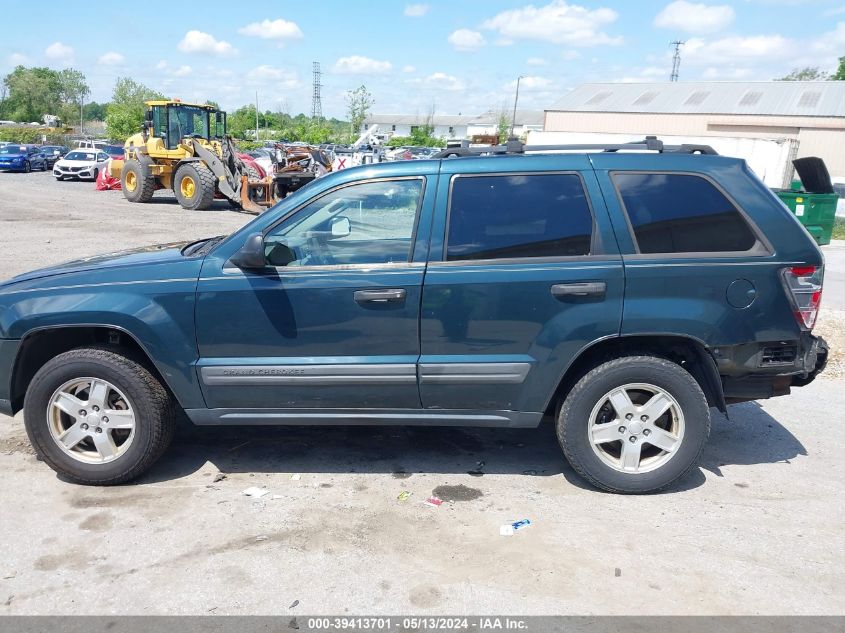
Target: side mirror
x,y
251,255
341,226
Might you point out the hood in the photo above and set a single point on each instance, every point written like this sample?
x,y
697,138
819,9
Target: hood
x,y
145,256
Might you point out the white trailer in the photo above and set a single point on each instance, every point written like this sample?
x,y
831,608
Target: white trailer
x,y
771,159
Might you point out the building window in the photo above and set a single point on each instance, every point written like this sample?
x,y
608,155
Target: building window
x,y
392,128
681,213
451,130
516,216
414,128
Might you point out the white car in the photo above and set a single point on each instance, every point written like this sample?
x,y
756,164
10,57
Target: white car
x,y
81,163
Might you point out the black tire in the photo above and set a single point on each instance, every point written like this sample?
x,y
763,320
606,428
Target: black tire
x,y
145,184
44,166
96,174
574,420
154,415
27,167
204,186
60,178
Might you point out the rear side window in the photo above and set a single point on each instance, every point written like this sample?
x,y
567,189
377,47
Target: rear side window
x,y
682,213
514,216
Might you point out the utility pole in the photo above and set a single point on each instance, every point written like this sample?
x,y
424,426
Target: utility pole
x,y
316,101
676,60
515,101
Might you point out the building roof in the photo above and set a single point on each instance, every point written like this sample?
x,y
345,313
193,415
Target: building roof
x,y
772,98
418,119
523,117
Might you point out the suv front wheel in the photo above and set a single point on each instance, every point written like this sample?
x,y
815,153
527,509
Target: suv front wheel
x,y
634,425
97,417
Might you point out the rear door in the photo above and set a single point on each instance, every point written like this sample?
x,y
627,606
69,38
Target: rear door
x,y
524,274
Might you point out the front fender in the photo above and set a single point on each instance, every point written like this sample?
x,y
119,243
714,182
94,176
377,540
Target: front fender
x,y
158,314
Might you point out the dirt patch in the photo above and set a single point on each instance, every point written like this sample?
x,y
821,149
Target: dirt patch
x,y
831,326
100,522
16,442
457,493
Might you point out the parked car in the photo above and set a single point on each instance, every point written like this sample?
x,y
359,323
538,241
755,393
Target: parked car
x,y
53,153
81,164
622,293
114,151
22,158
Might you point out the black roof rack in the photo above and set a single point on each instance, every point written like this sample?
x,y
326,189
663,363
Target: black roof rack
x,y
514,146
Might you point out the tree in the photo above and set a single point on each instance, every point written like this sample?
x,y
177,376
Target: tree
x,y
33,92
358,104
503,126
125,113
806,74
839,75
73,91
93,111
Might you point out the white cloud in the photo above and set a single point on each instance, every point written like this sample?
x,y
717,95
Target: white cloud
x,y
730,50
558,22
278,29
161,65
199,42
358,65
441,81
570,55
530,83
408,69
466,40
536,61
416,10
58,51
111,59
695,17
182,71
16,59
279,77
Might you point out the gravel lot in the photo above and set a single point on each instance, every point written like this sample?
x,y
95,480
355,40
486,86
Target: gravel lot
x,y
757,530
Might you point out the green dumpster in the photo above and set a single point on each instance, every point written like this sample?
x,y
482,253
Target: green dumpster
x,y
816,211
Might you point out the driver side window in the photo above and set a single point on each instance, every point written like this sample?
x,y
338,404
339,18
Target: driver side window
x,y
366,223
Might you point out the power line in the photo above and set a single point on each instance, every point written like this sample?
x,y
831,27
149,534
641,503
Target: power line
x,y
316,102
676,60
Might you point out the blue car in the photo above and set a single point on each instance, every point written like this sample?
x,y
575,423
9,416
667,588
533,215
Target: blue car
x,y
22,158
619,294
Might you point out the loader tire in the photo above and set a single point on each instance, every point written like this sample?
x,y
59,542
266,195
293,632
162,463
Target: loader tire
x,y
136,182
194,186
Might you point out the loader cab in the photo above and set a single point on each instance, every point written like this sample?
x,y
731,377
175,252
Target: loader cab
x,y
173,121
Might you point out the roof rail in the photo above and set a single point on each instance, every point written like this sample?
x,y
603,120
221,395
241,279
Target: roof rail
x,y
514,146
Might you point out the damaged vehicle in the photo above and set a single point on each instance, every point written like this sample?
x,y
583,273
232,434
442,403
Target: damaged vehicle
x,y
622,294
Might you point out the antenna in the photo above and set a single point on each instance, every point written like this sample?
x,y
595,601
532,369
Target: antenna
x,y
316,103
676,60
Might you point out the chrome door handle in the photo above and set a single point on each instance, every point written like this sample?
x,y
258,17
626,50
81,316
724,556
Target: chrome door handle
x,y
580,289
379,296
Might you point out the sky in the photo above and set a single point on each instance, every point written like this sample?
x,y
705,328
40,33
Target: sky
x,y
455,57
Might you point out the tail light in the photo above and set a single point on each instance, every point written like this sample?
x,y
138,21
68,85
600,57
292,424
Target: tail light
x,y
804,287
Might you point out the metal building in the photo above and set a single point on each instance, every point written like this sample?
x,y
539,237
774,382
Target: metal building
x,y
809,112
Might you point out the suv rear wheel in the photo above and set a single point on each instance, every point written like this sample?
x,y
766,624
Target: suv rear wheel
x,y
97,417
634,425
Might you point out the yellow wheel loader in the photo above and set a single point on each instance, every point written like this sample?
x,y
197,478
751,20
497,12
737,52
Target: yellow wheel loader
x,y
184,147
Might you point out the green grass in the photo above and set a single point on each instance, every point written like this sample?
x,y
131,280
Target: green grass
x,y
839,229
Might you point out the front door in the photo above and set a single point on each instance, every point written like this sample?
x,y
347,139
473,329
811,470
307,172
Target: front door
x,y
528,276
332,322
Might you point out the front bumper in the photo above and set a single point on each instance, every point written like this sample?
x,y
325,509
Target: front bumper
x,y
8,354
88,172
12,166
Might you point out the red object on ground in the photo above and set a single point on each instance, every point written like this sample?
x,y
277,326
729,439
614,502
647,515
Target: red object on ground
x,y
107,182
249,160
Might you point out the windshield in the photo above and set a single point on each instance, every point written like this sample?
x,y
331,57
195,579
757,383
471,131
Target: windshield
x,y
187,122
13,149
80,156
